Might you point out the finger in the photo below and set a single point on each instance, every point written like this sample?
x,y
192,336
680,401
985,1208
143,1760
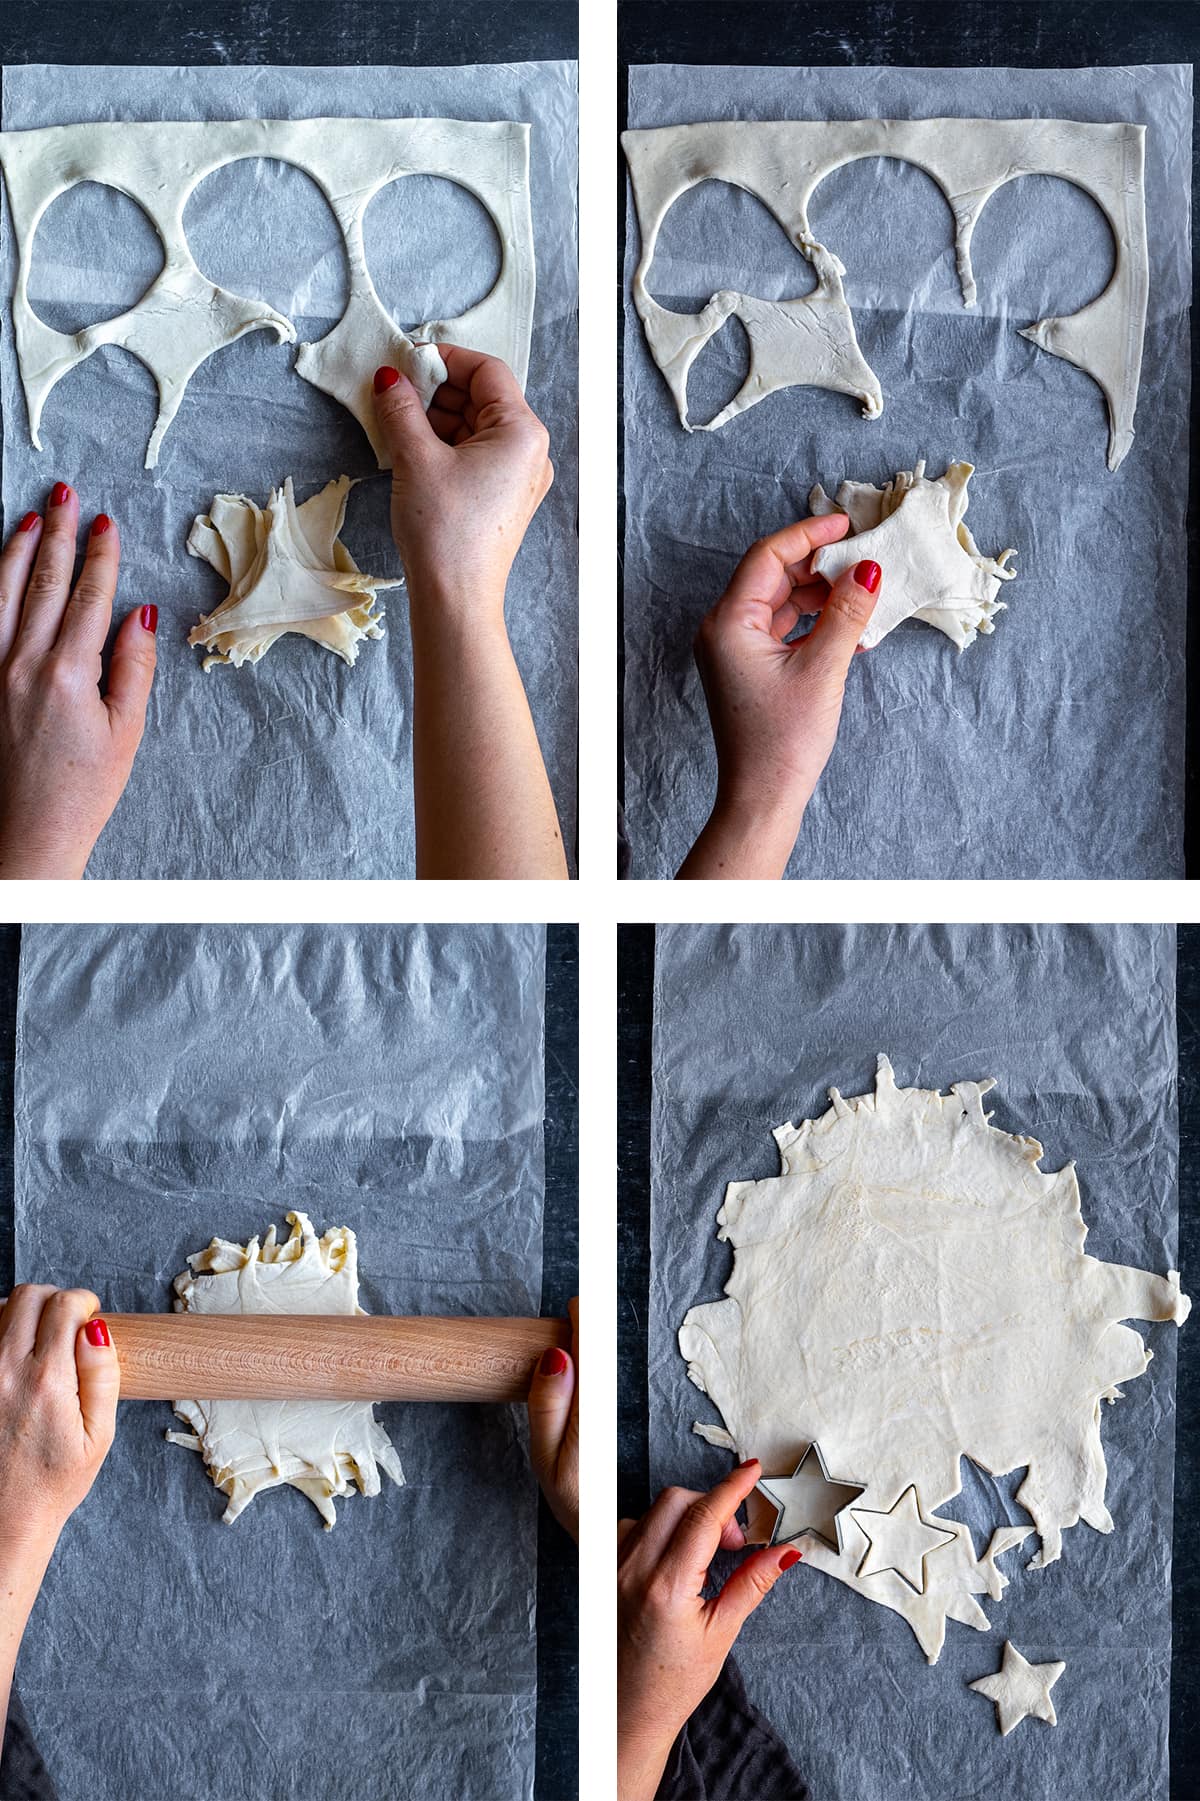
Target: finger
x,y
16,561
50,578
98,1369
697,1538
62,1315
785,620
89,611
131,671
651,1535
19,1318
448,398
401,417
444,422
550,1395
770,569
749,1584
845,616
486,381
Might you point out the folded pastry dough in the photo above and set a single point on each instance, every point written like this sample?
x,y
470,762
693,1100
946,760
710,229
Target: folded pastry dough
x,y
319,1447
932,568
288,571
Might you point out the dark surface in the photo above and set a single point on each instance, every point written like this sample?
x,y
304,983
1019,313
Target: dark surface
x,y
1033,34
635,1000
294,31
558,1593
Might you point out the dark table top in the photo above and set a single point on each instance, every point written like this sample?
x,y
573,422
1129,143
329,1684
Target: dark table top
x,y
557,1773
1033,34
635,996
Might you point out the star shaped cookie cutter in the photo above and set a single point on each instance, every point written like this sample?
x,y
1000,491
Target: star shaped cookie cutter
x,y
800,1508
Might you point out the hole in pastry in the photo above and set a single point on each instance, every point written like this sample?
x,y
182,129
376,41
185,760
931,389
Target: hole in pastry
x,y
717,236
263,229
432,249
98,245
718,372
1042,249
892,227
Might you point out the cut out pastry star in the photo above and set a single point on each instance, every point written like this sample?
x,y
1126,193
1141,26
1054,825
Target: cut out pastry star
x,y
1019,1688
899,1539
809,1500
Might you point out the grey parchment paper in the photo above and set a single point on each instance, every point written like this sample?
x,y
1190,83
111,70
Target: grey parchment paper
x,y
1055,747
177,1082
299,767
752,1024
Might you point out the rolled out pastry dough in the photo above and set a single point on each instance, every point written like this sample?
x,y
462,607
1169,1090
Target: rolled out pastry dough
x,y
319,1447
913,1289
183,317
932,568
288,571
810,341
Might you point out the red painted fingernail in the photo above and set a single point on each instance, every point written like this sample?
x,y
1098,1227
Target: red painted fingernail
x,y
97,1332
868,575
746,1462
149,619
386,378
554,1362
100,525
59,494
788,1559
30,520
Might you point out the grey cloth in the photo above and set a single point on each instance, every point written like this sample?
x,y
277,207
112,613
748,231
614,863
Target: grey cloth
x,y
729,1751
23,1775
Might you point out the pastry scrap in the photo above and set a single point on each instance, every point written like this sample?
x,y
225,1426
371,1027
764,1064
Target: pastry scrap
x,y
932,567
911,1289
288,571
320,1447
183,317
810,341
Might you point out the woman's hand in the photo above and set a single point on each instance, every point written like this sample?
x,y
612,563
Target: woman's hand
x,y
59,1381
774,706
65,749
554,1428
671,1642
466,478
466,481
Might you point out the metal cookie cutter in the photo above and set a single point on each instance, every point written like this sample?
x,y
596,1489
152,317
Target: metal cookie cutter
x,y
809,1500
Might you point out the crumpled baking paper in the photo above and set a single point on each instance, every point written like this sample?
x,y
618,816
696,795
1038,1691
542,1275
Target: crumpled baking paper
x,y
300,767
752,1024
1055,747
177,1082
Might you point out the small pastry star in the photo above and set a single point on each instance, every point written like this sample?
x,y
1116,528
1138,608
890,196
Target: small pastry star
x,y
808,1501
1019,1688
899,1539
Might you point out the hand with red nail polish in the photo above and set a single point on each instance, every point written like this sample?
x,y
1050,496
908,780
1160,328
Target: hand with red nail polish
x,y
554,1428
467,478
67,744
672,1641
775,706
59,1382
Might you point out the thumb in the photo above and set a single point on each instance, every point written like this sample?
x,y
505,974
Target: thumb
x,y
550,1396
751,1583
402,421
131,670
99,1372
845,614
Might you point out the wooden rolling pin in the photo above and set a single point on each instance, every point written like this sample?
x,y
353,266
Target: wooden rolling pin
x,y
330,1357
